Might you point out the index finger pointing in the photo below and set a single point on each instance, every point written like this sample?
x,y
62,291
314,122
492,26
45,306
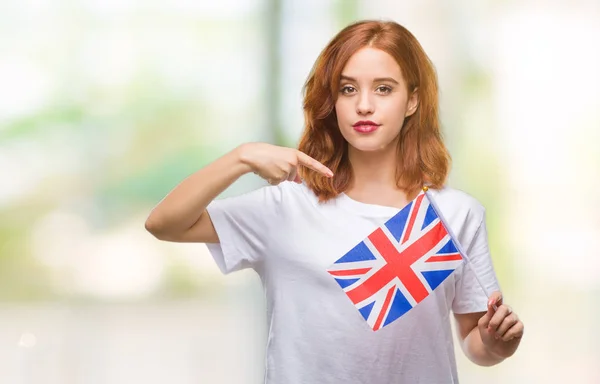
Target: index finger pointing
x,y
313,164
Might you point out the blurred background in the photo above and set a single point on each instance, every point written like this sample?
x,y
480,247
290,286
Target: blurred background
x,y
106,105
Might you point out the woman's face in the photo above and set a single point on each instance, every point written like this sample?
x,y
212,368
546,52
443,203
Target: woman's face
x,y
373,100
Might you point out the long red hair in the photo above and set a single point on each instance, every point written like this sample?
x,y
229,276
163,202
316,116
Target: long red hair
x,y
422,155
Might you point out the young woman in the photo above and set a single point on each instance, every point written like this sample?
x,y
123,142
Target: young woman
x,y
371,141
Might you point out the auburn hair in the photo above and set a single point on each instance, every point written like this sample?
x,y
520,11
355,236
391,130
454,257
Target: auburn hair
x,y
422,156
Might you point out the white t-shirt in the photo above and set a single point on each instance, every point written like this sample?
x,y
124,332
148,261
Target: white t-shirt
x,y
315,334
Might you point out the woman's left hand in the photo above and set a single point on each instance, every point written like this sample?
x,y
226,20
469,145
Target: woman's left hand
x,y
501,330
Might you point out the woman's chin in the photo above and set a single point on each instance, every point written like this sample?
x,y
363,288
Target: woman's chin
x,y
368,146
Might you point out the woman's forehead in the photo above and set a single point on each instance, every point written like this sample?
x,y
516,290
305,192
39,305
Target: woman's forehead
x,y
370,64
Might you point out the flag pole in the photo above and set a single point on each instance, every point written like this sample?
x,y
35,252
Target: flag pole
x,y
454,239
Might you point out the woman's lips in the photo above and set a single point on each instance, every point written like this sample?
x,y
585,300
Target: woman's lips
x,y
365,128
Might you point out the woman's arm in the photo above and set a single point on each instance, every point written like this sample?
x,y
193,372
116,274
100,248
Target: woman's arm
x,y
181,216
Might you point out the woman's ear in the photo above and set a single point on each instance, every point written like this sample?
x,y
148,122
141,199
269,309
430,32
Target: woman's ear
x,y
413,103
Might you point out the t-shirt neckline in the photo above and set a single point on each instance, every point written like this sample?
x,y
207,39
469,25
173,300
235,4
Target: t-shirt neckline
x,y
365,209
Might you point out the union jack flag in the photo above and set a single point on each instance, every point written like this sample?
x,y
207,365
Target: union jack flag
x,y
398,265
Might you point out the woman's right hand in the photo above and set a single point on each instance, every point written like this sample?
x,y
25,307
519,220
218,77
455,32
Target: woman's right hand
x,y
277,164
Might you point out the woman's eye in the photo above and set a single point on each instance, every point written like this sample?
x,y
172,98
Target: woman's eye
x,y
384,89
347,89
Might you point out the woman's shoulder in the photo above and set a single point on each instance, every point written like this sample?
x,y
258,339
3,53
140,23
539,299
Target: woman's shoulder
x,y
289,191
285,192
457,200
300,192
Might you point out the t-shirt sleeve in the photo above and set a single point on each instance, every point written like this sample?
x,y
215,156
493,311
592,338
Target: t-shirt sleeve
x,y
243,224
469,295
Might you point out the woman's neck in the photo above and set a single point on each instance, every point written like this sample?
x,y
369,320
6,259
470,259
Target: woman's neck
x,y
374,178
369,168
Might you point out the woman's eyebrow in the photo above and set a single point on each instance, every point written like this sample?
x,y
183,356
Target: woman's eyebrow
x,y
377,80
